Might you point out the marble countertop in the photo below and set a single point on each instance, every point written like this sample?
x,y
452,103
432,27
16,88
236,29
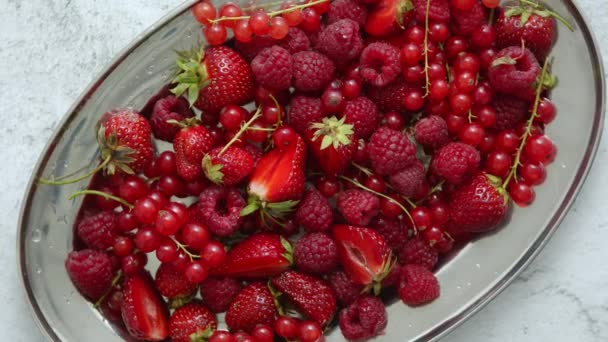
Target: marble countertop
x,y
50,50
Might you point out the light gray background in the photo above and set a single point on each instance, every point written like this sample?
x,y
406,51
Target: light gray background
x,y
50,50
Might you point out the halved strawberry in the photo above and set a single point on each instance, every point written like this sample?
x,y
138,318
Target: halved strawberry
x,y
388,16
311,295
364,254
331,142
260,256
144,312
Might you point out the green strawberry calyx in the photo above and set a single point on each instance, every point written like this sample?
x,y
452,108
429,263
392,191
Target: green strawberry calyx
x,y
274,212
333,132
403,7
192,74
528,8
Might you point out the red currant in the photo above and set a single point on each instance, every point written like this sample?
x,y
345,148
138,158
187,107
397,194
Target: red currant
x,y
488,144
432,235
231,117
351,88
242,31
410,54
546,111
507,141
195,235
472,134
222,336
286,327
203,12
454,46
491,3
484,36
486,116
213,254
278,28
421,217
533,173
375,183
171,186
133,263
262,333
455,123
460,103
333,101
259,22
327,187
271,113
438,32
284,136
216,34
522,194
394,121
483,95
540,149
498,163
466,62
167,223
126,221
465,82
123,246
196,272
311,20
230,10
309,331
439,89
145,210
167,251
415,34
293,18
257,132
166,164
414,100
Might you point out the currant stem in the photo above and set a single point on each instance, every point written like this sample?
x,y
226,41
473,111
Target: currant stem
x,y
426,48
184,249
409,201
273,13
279,122
363,169
243,129
102,194
392,200
115,281
76,180
528,132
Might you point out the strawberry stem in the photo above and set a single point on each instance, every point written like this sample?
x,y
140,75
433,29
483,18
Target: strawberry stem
x,y
539,89
273,13
76,180
102,194
426,48
359,185
243,129
184,249
115,281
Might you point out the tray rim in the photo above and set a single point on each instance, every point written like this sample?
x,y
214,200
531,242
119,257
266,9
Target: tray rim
x,y
438,331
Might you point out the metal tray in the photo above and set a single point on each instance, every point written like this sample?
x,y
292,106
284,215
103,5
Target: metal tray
x,y
474,276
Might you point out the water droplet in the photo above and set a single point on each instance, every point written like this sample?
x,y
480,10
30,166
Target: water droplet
x,y
410,325
459,287
51,246
189,33
150,69
478,265
38,270
53,208
36,235
62,219
563,165
469,284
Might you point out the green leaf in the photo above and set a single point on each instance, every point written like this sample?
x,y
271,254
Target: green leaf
x,y
506,60
513,11
326,142
192,94
179,89
524,18
250,209
213,171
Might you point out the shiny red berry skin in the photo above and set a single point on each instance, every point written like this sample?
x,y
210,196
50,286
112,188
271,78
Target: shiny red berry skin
x,y
216,34
195,235
522,194
309,331
196,272
230,10
242,31
533,173
259,22
421,217
546,111
203,12
311,21
540,149
507,141
262,333
286,327
213,254
498,163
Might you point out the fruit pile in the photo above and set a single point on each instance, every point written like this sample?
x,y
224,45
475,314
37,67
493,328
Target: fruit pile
x,y
326,153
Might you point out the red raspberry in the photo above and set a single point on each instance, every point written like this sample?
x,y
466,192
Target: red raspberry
x,y
364,319
514,72
346,9
346,289
90,271
455,162
218,293
379,64
439,10
394,232
463,23
273,68
432,132
316,253
173,284
312,71
255,46
314,212
409,180
418,252
341,41
220,209
390,98
417,285
358,207
314,35
295,41
304,111
169,108
510,111
363,114
390,151
98,231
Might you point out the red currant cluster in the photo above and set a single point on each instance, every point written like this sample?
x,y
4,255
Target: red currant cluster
x,y
246,22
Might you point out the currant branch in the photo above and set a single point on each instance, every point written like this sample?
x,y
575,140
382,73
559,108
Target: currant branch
x,y
426,49
273,13
184,248
102,194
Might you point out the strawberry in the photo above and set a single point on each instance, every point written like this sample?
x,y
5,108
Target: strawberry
x,y
388,16
331,143
214,79
364,254
143,311
532,24
259,256
227,166
172,283
254,305
192,322
478,206
190,145
311,295
125,141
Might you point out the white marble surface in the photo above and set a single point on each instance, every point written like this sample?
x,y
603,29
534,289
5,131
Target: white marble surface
x,y
51,49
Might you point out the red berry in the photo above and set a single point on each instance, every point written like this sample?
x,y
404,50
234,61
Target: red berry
x,y
413,100
465,82
488,144
421,217
463,5
466,62
439,89
389,208
259,22
540,149
222,336
410,54
213,254
483,95
507,141
123,246
546,111
460,103
375,183
262,333
278,28
230,10
242,31
195,235
286,327
203,12
491,3
472,134
167,223
440,214
394,120
293,18
327,187
533,173
231,117
439,32
196,272
455,123
309,331
147,239
167,251
522,194
454,46
133,263
166,163
351,88
311,21
256,132
415,34
498,163
484,36
333,101
486,116
437,72
216,34
284,136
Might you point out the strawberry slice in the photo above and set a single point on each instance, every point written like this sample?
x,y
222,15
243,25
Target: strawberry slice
x,y
260,256
143,311
364,254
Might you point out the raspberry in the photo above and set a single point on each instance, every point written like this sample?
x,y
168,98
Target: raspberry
x,y
98,231
363,114
417,285
408,180
255,46
341,41
390,151
455,162
364,319
218,293
390,98
439,10
510,111
379,64
463,23
346,9
432,132
314,212
316,253
514,72
90,271
272,68
173,284
418,252
295,41
220,209
303,111
394,232
358,207
314,35
169,108
345,289
312,71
